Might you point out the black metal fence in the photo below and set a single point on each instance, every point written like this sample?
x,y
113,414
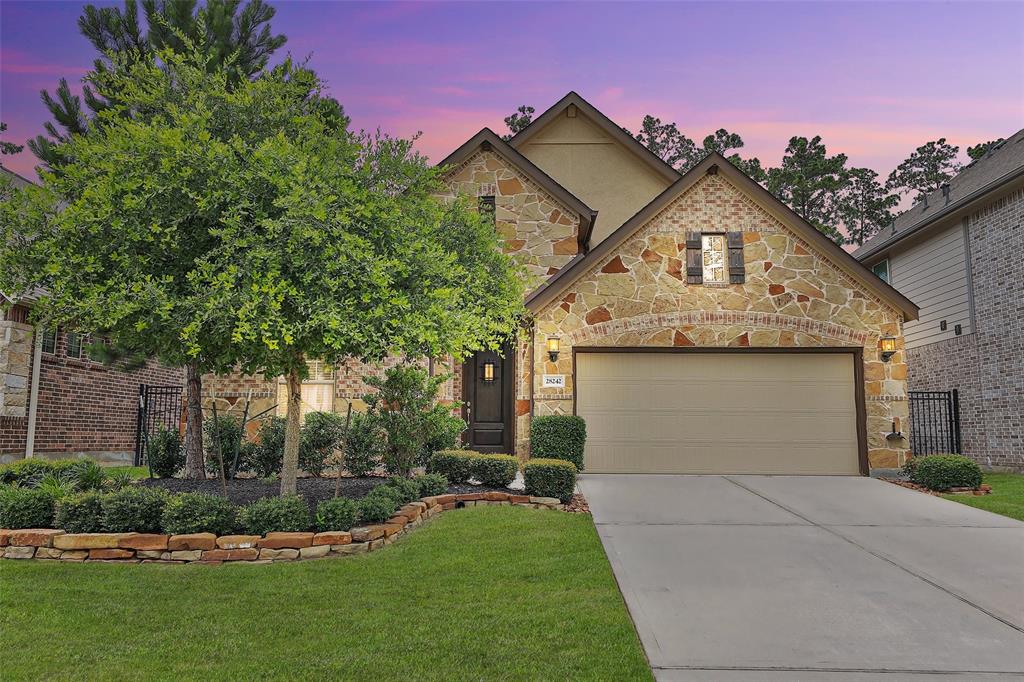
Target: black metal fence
x,y
158,406
934,422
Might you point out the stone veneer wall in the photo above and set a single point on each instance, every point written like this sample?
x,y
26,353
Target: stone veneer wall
x,y
792,297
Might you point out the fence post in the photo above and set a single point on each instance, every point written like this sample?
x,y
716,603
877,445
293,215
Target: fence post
x,y
140,424
955,427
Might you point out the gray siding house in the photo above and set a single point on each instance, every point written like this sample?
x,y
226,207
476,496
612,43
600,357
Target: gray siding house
x,y
959,255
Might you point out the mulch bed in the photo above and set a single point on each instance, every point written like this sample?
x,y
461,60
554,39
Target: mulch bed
x,y
984,489
246,490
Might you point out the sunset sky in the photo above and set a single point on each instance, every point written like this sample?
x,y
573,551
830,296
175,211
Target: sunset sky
x,y
873,79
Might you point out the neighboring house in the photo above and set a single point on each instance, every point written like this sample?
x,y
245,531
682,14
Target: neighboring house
x,y
694,321
57,402
959,254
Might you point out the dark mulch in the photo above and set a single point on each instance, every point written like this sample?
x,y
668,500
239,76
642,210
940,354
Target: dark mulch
x,y
313,490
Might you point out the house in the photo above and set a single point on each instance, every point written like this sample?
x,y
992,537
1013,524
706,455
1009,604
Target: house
x,y
56,401
694,321
958,254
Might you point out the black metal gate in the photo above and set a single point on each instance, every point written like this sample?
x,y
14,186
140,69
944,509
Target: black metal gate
x,y
158,406
934,422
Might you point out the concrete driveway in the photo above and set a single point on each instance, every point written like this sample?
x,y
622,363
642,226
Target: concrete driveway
x,y
812,578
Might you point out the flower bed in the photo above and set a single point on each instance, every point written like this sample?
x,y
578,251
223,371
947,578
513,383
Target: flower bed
x,y
207,548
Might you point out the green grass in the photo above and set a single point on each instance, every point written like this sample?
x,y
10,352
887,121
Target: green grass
x,y
136,472
490,593
1007,497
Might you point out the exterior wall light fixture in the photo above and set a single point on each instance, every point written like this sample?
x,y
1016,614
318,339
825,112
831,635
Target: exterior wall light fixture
x,y
553,346
489,371
887,345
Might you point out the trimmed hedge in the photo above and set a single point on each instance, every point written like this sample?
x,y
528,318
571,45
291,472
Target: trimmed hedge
x,y
495,471
26,508
550,478
942,472
82,513
198,513
288,513
558,437
431,484
377,508
455,465
406,489
339,513
134,510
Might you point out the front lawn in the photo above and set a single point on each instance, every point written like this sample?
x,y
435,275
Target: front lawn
x,y
483,593
1007,497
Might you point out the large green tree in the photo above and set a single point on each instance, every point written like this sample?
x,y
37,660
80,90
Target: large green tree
x,y
682,153
811,183
518,120
225,30
925,170
865,206
979,150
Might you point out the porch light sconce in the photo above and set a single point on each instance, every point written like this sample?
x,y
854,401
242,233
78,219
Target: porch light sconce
x,y
553,348
489,371
887,345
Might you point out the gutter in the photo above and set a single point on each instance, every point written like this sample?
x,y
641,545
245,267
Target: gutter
x,y
945,211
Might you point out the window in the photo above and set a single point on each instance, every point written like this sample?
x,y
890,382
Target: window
x,y
881,268
317,390
713,258
75,343
50,340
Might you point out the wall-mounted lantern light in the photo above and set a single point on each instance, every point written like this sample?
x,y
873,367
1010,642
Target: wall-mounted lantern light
x,y
489,371
887,345
553,348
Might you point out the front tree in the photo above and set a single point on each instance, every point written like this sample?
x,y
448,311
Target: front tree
x,y
810,182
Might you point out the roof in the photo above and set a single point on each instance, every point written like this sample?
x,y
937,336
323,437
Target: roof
x,y
488,139
19,180
609,126
716,163
1002,164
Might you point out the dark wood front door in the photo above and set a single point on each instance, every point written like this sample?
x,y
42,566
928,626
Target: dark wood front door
x,y
487,379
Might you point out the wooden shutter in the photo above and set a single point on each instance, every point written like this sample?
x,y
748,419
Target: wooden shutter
x,y
736,271
694,264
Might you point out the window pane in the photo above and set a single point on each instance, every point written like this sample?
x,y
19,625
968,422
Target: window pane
x,y
882,270
713,247
50,340
74,345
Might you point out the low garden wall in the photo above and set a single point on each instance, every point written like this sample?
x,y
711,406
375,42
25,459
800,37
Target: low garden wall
x,y
207,548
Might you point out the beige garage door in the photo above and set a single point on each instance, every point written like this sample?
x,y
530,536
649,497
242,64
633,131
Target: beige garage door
x,y
715,413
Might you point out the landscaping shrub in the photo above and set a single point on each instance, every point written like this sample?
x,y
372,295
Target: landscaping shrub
x,y
87,475
165,454
443,431
31,470
455,465
364,445
377,508
942,472
26,508
495,471
228,432
134,510
406,489
558,437
56,485
288,513
267,455
550,478
198,513
81,513
431,484
119,480
322,433
338,513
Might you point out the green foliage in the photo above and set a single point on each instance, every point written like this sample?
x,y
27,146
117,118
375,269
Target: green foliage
x,y
925,170
518,120
364,445
443,431
406,409
26,508
406,489
811,182
942,472
495,471
550,478
119,479
558,437
338,513
274,514
431,484
88,475
322,433
8,147
134,510
56,485
979,150
455,465
198,513
33,469
164,453
81,513
264,458
377,507
679,151
227,431
866,206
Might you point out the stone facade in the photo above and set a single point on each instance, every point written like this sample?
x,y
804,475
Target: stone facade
x,y
987,367
792,297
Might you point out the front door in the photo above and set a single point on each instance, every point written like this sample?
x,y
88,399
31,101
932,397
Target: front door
x,y
487,378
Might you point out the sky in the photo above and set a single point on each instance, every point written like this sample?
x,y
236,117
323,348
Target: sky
x,y
874,79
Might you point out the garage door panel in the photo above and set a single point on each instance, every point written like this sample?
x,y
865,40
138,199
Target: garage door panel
x,y
718,413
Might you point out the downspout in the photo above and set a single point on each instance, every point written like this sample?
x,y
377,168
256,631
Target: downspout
x,y
33,395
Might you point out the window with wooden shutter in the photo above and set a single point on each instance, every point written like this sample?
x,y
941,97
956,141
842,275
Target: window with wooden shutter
x,y
736,270
713,258
694,264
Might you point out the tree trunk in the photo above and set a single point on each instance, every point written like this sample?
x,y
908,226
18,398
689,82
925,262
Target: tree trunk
x,y
290,466
195,467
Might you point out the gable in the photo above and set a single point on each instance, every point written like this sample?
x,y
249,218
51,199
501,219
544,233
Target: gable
x,y
596,160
